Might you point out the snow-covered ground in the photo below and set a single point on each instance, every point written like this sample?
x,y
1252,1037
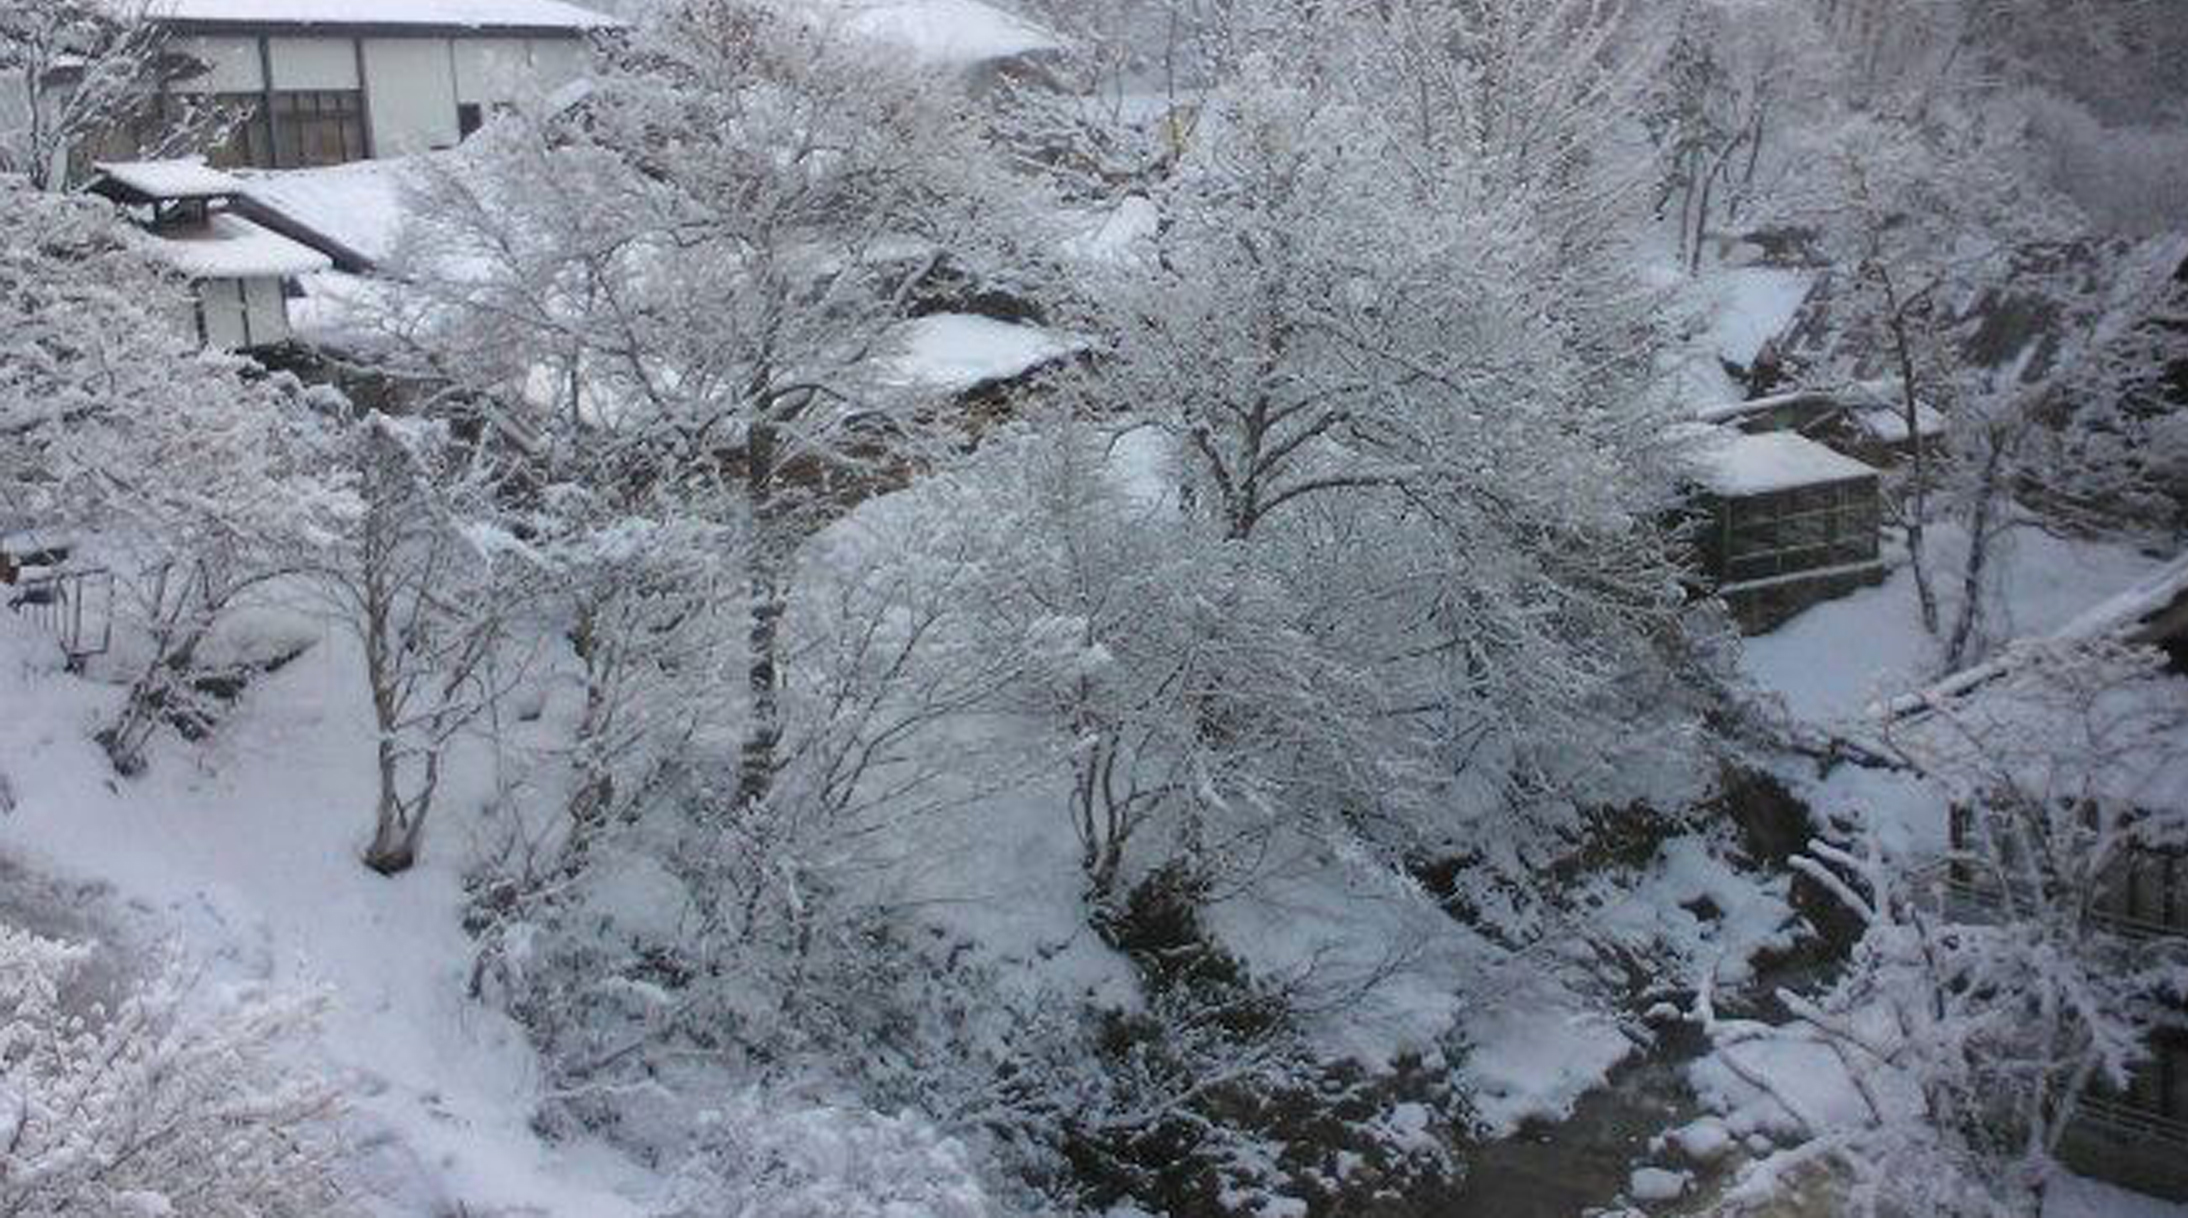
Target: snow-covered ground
x,y
245,849
1834,665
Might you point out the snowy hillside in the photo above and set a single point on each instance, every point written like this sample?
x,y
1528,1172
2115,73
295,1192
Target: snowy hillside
x,y
946,608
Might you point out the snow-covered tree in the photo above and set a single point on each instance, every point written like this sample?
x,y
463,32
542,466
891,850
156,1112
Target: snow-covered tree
x,y
77,73
153,1107
1386,302
1733,75
1969,1030
695,270
426,577
189,505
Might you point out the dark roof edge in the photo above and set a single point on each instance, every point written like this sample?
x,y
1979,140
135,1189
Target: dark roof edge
x,y
379,29
347,258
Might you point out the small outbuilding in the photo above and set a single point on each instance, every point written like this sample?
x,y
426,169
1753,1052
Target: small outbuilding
x,y
1781,522
240,272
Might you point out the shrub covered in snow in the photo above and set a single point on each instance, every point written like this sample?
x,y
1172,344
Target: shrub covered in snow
x,y
824,1161
149,1108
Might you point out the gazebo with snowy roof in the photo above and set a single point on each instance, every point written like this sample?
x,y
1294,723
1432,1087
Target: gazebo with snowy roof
x,y
239,271
1783,522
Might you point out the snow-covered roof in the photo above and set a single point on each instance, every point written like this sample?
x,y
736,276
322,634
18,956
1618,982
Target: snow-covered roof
x,y
1755,305
358,205
1871,406
949,32
187,178
1888,424
231,247
535,15
958,352
1734,464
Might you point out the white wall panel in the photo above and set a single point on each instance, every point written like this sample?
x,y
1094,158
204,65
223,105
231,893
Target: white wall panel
x,y
220,303
233,63
490,70
314,63
556,62
410,87
268,311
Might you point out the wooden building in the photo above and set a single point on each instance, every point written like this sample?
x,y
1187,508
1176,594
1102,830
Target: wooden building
x,y
323,82
1780,522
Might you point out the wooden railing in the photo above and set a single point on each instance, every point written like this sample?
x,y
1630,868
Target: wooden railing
x,y
76,607
2125,1121
1981,902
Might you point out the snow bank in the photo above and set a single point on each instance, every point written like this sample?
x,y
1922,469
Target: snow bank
x,y
1706,913
957,351
1834,660
247,848
1535,1059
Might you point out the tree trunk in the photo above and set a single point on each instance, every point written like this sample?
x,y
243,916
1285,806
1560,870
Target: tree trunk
x,y
1918,464
763,731
1979,542
391,850
595,790
394,848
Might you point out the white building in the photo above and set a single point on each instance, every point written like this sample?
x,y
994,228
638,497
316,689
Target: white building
x,y
323,82
239,272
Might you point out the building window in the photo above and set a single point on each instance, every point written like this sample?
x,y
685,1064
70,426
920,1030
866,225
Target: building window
x,y
470,116
321,127
306,128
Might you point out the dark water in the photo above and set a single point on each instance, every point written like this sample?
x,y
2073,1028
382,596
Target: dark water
x,y
1570,1167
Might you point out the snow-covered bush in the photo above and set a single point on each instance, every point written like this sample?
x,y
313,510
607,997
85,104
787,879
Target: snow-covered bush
x,y
764,1155
153,1108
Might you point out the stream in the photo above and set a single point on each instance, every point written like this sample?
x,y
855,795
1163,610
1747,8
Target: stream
x,y
1562,1169
1583,1163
